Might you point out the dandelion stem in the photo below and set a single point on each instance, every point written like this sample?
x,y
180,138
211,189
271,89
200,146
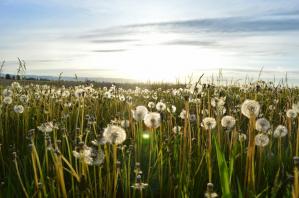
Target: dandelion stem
x,y
20,179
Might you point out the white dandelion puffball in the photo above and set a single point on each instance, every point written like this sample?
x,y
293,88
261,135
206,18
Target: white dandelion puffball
x,y
192,117
90,155
139,113
152,120
114,134
291,113
177,129
79,93
250,107
172,109
18,108
47,127
16,85
122,98
183,114
24,99
7,100
107,95
242,137
262,125
209,123
151,105
7,92
228,122
65,94
280,131
261,140
295,107
218,102
160,106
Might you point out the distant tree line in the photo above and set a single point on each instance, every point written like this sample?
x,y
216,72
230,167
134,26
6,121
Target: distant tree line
x,y
18,77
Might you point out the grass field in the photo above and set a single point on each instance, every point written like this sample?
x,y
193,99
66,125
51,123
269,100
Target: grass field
x,y
198,140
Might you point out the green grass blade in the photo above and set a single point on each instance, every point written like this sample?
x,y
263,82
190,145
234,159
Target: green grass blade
x,y
223,172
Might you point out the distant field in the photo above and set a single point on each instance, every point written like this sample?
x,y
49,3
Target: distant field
x,y
195,140
5,82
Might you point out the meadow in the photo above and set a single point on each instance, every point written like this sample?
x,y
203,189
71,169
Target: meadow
x,y
194,140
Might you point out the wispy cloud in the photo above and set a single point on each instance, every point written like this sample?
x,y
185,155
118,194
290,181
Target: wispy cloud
x,y
231,24
75,70
192,43
230,33
109,50
113,40
249,26
292,12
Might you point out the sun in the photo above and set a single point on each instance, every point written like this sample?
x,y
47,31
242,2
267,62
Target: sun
x,y
167,63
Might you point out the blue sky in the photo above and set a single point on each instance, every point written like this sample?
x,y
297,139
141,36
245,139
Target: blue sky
x,y
167,39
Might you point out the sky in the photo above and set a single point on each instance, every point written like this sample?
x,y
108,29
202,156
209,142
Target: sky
x,y
152,40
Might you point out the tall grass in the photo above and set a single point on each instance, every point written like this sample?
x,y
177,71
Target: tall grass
x,y
152,162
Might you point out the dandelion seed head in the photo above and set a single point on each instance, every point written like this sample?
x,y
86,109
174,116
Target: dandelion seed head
x,y
250,108
192,117
139,185
160,106
177,129
208,123
122,98
19,109
114,134
261,140
7,93
65,94
24,99
172,109
280,131
228,122
15,85
151,105
152,120
183,114
295,107
139,113
79,92
291,113
242,137
210,191
7,100
218,102
107,95
47,127
262,125
89,155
